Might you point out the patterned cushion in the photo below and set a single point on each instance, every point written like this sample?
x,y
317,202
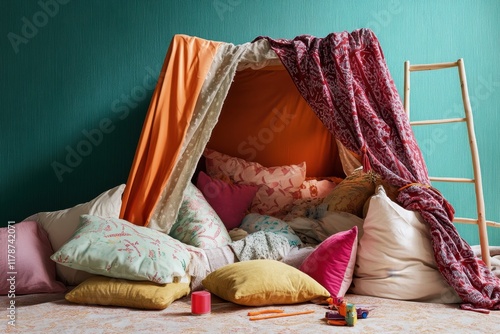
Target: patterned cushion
x,y
261,245
276,184
197,223
314,189
351,194
116,248
254,222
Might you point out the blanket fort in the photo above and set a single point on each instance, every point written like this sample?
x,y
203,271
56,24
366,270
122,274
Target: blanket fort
x,y
345,81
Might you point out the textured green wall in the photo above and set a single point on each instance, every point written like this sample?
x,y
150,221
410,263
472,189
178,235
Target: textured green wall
x,y
76,76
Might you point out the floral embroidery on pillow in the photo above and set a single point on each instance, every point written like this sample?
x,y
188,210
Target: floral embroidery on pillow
x,y
117,248
197,223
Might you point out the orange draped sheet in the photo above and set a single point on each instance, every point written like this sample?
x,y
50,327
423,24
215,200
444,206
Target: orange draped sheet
x,y
187,63
265,119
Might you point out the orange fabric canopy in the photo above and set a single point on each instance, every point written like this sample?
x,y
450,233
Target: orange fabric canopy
x,y
186,65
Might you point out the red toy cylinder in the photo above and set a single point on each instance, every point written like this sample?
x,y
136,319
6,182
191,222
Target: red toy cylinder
x,y
200,302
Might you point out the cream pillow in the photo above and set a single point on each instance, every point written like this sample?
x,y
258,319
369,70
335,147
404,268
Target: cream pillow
x,y
395,257
60,226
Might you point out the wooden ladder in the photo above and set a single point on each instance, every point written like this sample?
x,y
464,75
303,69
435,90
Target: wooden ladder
x,y
480,221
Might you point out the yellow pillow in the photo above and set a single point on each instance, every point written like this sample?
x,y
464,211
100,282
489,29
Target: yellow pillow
x,y
263,282
102,290
351,194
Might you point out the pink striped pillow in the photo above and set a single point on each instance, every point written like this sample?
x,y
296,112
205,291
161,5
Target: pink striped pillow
x,y
276,184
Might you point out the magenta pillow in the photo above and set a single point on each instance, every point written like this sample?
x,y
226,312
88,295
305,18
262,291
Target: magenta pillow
x,y
230,201
331,264
35,271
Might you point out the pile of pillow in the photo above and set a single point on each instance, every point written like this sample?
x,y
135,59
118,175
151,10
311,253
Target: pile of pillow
x,y
114,262
136,266
109,260
326,271
276,185
235,187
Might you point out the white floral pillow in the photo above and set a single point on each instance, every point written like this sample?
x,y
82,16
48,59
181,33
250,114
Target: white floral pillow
x,y
276,184
116,248
197,223
254,222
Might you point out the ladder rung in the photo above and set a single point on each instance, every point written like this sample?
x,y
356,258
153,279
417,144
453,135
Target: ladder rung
x,y
451,179
439,121
428,67
494,224
474,221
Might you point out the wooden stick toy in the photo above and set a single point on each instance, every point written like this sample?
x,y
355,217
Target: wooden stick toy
x,y
281,314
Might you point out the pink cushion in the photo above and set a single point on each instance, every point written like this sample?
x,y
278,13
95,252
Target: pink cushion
x,y
30,252
230,201
331,264
276,184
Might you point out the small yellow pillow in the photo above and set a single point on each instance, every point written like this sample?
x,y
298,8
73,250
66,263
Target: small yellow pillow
x,y
102,290
351,194
263,282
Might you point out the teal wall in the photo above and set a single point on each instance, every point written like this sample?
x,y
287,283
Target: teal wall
x,y
73,70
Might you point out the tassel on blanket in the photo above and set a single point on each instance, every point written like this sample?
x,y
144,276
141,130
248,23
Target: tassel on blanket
x,y
365,160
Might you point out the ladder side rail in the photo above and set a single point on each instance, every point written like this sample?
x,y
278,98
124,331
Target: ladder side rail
x,y
481,217
406,100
